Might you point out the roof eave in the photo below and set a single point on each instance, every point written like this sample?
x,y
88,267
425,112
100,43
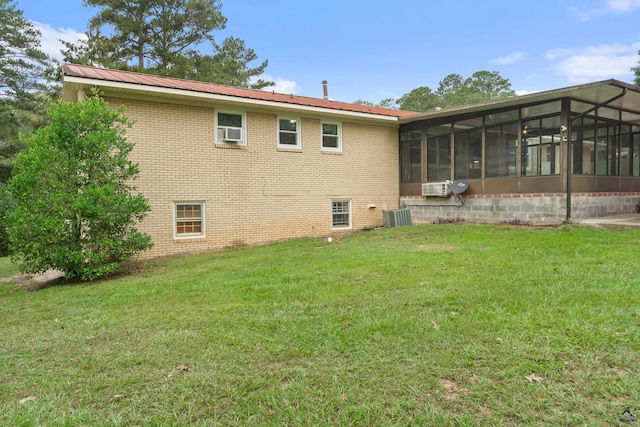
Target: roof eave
x,y
520,99
86,83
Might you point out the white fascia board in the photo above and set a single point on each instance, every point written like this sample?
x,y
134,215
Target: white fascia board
x,y
224,98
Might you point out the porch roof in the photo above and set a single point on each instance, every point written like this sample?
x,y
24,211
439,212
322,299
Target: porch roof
x,y
594,93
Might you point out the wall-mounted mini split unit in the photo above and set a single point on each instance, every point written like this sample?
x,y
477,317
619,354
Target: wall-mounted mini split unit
x,y
233,134
437,189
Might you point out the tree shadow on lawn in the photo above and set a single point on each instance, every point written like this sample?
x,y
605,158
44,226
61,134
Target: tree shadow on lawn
x,y
38,282
52,278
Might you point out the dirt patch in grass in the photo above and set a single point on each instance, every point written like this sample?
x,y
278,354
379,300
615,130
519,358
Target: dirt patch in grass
x,y
436,247
55,277
14,278
450,388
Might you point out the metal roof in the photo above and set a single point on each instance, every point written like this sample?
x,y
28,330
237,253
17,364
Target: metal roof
x,y
81,76
594,93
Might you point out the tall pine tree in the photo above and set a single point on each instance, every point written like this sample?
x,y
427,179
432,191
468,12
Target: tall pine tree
x,y
162,37
23,88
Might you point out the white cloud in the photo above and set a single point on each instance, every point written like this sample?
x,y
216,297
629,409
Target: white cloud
x,y
282,85
553,54
586,15
622,5
610,6
510,59
50,43
594,63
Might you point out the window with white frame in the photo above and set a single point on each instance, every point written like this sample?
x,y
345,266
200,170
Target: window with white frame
x,y
189,219
289,132
331,136
231,127
341,213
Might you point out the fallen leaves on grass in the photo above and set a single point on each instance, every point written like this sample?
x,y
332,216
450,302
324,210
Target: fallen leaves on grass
x,y
26,399
179,368
533,377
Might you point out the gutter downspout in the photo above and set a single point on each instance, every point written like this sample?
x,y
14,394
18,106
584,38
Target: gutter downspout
x,y
570,144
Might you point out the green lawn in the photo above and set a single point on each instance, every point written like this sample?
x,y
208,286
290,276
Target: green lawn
x,y
435,325
7,269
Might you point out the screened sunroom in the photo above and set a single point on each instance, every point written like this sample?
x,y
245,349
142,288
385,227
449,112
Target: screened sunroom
x,y
545,158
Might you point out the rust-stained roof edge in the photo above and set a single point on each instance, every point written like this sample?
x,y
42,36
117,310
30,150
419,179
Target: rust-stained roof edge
x,y
88,75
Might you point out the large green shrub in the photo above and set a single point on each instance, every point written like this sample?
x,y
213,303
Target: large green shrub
x,y
7,205
76,207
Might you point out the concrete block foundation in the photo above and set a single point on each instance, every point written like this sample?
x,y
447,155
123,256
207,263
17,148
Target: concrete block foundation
x,y
533,208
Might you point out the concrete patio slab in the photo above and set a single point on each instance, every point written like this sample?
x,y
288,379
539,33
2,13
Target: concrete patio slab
x,y
625,220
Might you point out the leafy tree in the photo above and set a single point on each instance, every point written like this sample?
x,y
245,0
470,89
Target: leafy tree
x,y
76,211
7,205
22,62
482,86
388,103
19,117
363,102
160,37
95,50
421,99
454,90
24,93
229,66
154,32
490,84
636,71
450,85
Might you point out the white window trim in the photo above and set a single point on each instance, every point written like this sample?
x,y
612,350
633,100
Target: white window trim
x,y
175,220
342,227
244,127
298,132
339,147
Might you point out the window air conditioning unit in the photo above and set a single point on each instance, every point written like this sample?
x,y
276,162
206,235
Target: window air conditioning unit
x,y
437,189
233,134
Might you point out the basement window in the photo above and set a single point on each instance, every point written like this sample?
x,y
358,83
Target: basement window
x,y
189,219
341,214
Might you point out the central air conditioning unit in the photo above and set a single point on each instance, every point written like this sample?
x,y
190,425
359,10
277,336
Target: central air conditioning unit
x,y
396,218
232,134
437,189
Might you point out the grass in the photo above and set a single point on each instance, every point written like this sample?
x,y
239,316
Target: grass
x,y
426,325
7,269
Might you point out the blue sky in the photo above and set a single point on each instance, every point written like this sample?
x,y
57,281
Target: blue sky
x,y
379,49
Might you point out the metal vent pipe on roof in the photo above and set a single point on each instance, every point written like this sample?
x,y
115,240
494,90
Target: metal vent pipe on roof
x,y
325,91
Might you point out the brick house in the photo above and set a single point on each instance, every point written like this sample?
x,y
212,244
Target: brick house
x,y
224,166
